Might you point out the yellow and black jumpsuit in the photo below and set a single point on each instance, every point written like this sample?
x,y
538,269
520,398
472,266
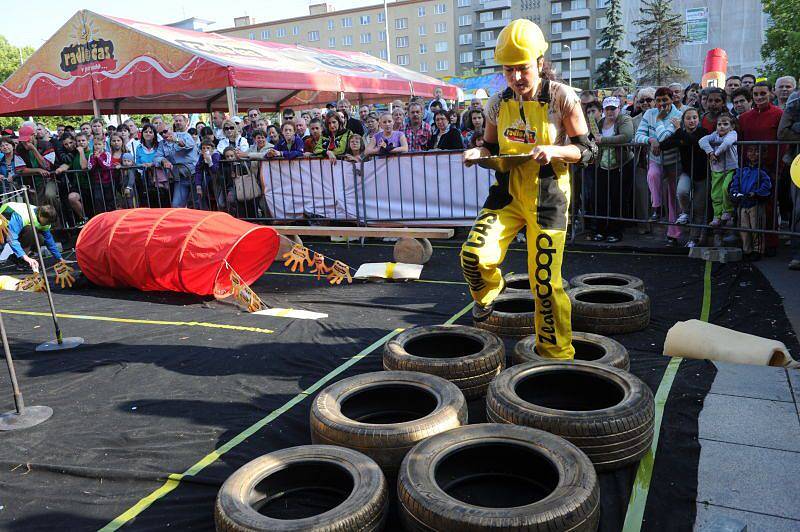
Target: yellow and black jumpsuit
x,y
529,195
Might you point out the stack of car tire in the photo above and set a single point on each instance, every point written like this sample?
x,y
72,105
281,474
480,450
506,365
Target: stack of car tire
x,y
553,423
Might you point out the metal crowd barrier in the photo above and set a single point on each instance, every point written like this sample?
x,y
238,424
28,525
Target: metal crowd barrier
x,y
427,188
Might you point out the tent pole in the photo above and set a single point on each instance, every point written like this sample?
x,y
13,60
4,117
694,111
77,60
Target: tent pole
x,y
230,93
96,108
117,112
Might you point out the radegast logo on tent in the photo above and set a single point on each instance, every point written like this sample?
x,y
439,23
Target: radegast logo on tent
x,y
87,53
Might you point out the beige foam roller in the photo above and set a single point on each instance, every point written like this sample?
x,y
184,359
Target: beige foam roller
x,y
698,339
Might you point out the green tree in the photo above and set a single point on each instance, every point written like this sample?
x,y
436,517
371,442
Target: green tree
x,y
615,70
10,57
661,33
781,49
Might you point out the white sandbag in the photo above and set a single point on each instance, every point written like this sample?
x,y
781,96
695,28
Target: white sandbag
x,y
698,339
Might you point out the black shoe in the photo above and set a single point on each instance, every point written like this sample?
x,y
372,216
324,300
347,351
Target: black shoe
x,y
598,237
672,242
770,252
480,313
794,265
613,239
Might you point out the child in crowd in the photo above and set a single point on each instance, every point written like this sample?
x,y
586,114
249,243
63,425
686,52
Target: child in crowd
x,y
692,190
128,181
721,149
290,145
355,149
206,175
100,166
750,190
386,140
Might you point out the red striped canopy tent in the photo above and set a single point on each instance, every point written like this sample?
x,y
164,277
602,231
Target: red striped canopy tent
x,y
96,64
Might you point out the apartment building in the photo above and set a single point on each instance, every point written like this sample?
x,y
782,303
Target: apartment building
x,y
420,35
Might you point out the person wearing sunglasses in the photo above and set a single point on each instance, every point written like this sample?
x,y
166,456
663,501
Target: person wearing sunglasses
x,y
231,137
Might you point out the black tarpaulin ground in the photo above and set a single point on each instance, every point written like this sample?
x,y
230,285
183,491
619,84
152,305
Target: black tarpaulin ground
x,y
148,398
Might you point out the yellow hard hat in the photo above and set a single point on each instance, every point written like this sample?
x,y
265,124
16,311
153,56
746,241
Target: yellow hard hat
x,y
520,43
794,171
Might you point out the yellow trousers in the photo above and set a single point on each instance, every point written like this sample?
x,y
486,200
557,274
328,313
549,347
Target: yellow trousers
x,y
541,204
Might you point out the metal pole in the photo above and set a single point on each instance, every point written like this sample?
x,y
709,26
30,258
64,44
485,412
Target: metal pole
x,y
570,63
19,404
42,266
230,93
386,30
96,108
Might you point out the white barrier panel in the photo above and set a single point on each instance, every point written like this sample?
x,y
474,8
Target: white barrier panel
x,y
413,187
423,187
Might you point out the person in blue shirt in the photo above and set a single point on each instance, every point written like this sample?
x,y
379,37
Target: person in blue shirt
x,y
750,189
16,231
178,153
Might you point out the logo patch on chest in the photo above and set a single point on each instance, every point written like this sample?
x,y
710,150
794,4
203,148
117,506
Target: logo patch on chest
x,y
515,134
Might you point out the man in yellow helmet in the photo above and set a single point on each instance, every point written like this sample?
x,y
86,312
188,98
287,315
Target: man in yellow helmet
x,y
542,118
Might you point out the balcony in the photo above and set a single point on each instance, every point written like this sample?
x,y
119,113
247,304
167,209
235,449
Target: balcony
x,y
576,75
494,4
569,35
576,54
489,62
496,23
486,44
573,13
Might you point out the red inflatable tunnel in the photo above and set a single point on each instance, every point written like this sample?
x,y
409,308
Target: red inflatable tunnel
x,y
178,250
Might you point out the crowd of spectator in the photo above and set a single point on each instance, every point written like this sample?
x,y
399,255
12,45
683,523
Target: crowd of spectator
x,y
666,154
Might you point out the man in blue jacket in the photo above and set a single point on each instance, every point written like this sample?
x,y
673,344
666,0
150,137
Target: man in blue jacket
x,y
16,231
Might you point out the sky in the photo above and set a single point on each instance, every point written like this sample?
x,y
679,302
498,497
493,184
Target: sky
x,y
38,21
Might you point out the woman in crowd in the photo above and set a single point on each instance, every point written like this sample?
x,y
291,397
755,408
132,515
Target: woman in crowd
x,y
691,95
273,134
232,138
371,124
387,140
156,190
476,121
663,165
399,118
692,190
445,136
335,137
612,130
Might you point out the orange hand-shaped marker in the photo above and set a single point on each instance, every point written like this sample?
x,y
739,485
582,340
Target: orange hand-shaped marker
x,y
338,272
320,268
297,257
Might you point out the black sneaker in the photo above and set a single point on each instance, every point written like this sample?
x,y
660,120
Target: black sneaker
x,y
480,313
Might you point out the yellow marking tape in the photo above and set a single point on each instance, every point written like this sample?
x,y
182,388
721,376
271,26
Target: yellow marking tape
x,y
390,269
143,322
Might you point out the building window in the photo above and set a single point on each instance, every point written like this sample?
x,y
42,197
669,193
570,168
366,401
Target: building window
x,y
441,46
487,36
365,19
382,54
440,27
400,23
441,65
251,35
403,59
423,67
465,38
599,61
347,40
264,35
380,16
577,4
366,38
401,42
506,13
465,20
331,24
381,36
464,3
556,8
421,11
313,36
486,16
422,31
578,45
423,48
555,27
487,54
331,42
602,4
579,64
465,57
555,48
280,32
439,9
295,30
347,22
576,25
